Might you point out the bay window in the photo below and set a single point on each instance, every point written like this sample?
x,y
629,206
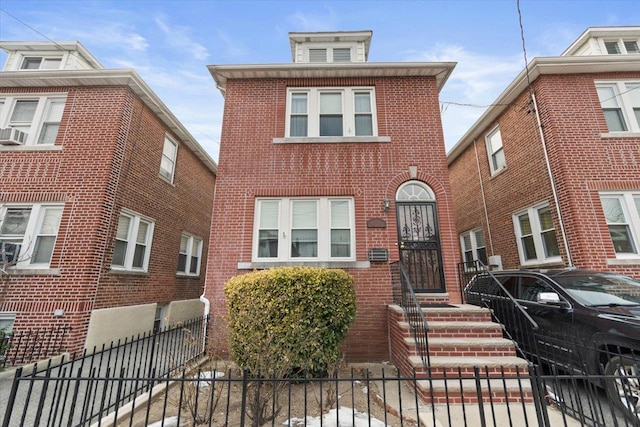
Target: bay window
x,y
304,229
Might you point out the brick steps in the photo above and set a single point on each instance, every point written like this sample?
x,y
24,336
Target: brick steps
x,y
463,342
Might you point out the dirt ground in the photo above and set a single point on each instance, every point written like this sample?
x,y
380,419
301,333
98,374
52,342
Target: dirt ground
x,y
218,401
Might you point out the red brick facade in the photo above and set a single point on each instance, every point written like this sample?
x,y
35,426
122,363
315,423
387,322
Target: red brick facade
x,y
106,157
252,165
582,159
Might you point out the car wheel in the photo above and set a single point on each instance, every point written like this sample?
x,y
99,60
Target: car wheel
x,y
623,384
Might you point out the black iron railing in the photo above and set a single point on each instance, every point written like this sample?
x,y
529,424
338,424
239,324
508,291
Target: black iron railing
x,y
22,347
505,308
467,271
405,297
76,390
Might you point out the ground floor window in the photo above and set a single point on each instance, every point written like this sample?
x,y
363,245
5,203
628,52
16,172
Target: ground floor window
x,y
622,213
536,235
299,229
472,245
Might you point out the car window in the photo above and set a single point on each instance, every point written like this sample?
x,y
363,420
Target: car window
x,y
530,288
510,283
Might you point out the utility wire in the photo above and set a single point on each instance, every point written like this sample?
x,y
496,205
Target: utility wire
x,y
30,27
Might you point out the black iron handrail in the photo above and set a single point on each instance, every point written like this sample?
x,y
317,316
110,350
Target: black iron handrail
x,y
405,297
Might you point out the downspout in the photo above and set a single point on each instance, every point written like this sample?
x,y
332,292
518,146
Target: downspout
x,y
553,184
484,201
207,307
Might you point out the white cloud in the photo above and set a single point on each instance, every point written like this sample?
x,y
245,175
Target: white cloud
x,y
179,36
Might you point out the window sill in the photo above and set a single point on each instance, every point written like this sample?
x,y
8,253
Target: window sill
x,y
498,172
620,135
323,264
331,139
118,271
543,264
165,179
33,271
623,261
31,147
187,276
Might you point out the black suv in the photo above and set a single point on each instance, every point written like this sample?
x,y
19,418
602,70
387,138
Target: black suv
x,y
576,319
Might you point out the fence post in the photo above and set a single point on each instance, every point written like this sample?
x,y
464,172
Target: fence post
x,y
12,397
243,405
476,375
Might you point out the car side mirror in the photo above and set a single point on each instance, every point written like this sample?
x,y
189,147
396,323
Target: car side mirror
x,y
551,298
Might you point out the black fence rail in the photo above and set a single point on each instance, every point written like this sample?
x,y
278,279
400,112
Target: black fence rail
x,y
467,271
405,297
23,347
72,392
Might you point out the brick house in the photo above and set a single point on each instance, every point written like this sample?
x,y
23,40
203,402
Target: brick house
x,y
105,199
334,161
549,176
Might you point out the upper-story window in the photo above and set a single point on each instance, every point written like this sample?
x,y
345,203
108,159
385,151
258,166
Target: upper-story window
x,y
168,162
536,235
313,112
30,120
622,213
28,234
620,103
495,151
622,46
329,54
133,242
41,63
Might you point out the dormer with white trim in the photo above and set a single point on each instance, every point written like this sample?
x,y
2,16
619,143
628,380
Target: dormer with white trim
x,y
606,41
49,56
330,47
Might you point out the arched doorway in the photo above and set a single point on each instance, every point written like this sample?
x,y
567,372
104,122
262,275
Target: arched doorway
x,y
418,236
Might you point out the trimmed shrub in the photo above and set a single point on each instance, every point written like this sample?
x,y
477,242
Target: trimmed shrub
x,y
289,319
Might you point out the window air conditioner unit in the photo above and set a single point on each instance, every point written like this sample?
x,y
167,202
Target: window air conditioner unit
x,y
11,136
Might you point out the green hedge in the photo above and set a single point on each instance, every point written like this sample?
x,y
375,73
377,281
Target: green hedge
x,y
289,319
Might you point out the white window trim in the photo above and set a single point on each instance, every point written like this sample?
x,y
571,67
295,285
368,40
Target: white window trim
x,y
631,215
19,60
474,243
172,172
190,239
491,152
323,227
329,48
131,241
536,232
621,46
9,103
624,102
31,233
348,111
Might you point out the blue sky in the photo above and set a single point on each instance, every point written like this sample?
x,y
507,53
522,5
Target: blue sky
x,y
169,43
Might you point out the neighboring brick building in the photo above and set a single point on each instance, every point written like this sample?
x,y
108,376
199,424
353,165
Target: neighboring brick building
x,y
549,176
337,162
105,199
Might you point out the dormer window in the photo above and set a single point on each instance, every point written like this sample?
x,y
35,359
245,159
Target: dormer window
x,y
330,54
621,47
41,63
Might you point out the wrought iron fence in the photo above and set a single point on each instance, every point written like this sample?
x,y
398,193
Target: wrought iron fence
x,y
467,271
404,296
74,391
22,347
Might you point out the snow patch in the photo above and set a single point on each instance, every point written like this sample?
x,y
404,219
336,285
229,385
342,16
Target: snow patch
x,y
343,417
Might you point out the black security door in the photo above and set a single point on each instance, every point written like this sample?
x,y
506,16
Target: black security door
x,y
419,245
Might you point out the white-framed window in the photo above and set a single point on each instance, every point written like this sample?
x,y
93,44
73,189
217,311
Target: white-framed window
x,y
329,54
168,162
495,151
190,255
536,235
473,247
304,229
622,46
28,234
30,120
7,319
133,242
622,213
41,63
331,112
620,102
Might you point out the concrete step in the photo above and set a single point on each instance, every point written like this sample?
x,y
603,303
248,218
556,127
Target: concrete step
x,y
466,366
458,312
469,347
466,329
455,391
